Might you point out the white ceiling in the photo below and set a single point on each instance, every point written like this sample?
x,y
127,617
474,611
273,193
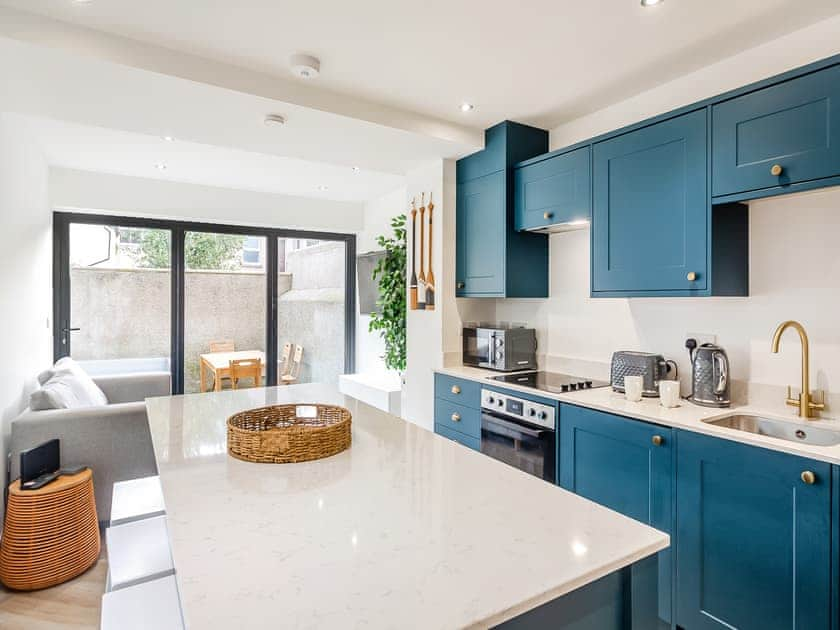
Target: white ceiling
x,y
87,148
540,61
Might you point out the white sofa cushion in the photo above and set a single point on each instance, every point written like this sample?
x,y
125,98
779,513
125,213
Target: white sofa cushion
x,y
67,386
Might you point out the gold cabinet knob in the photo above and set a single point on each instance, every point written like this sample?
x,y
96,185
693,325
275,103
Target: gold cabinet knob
x,y
456,417
459,285
776,170
691,276
657,440
456,389
548,215
808,477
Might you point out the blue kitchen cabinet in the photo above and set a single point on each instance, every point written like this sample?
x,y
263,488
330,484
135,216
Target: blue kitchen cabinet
x,y
458,410
492,259
650,213
785,134
654,230
625,465
753,543
555,190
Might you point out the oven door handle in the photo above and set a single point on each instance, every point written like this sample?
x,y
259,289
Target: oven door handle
x,y
512,427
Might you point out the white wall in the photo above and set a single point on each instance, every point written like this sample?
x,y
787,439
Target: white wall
x,y
377,221
794,263
25,271
118,194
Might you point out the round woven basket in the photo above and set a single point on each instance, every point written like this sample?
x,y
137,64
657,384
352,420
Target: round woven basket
x,y
284,434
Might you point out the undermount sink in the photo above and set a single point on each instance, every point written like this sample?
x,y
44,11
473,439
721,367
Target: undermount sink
x,y
779,429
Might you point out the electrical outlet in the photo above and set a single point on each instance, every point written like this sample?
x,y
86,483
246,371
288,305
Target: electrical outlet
x,y
702,337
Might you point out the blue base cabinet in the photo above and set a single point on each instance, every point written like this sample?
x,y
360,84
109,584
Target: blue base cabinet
x,y
779,136
753,541
458,410
492,259
627,466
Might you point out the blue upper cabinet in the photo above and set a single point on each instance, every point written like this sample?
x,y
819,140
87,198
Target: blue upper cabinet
x,y
781,135
753,540
625,465
651,216
492,259
480,236
556,190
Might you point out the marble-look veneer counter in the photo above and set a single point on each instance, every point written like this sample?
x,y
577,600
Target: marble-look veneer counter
x,y
406,529
686,416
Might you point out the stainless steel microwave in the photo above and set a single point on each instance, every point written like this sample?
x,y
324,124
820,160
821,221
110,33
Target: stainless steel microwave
x,y
500,348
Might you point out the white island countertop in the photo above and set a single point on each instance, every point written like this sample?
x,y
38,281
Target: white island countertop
x,y
406,529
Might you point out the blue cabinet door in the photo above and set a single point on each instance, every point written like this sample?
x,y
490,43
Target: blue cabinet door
x,y
481,227
753,540
556,190
650,220
625,465
794,126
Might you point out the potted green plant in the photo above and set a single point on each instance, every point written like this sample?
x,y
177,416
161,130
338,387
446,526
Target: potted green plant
x,y
389,316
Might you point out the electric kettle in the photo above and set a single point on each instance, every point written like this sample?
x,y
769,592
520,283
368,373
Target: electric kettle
x,y
710,382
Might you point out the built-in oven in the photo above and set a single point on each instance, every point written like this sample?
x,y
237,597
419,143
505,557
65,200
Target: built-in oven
x,y
520,433
500,348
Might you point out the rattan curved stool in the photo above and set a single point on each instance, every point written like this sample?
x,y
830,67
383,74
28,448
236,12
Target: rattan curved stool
x,y
50,535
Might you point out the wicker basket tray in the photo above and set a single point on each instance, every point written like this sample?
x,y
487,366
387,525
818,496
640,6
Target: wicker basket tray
x,y
283,434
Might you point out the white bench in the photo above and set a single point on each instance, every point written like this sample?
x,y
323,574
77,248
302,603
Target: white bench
x,y
152,604
136,499
138,552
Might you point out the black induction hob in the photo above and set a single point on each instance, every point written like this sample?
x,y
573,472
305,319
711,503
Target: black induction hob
x,y
550,381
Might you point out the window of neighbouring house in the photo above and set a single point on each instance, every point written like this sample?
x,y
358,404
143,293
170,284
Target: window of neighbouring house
x,y
252,252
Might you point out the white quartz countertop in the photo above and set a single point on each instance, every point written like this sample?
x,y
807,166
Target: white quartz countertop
x,y
687,416
406,529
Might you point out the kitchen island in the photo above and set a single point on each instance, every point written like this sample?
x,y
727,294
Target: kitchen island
x,y
405,529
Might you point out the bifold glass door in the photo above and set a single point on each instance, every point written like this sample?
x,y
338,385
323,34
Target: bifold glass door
x,y
224,310
120,282
311,310
198,300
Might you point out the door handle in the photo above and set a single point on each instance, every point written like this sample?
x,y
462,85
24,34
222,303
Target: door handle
x,y
70,329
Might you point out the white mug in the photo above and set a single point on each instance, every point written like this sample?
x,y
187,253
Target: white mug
x,y
669,394
633,388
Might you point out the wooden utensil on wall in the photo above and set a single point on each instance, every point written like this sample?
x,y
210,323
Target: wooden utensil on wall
x,y
421,291
430,277
412,285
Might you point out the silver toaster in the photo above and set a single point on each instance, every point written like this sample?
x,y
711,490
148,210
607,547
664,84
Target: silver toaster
x,y
651,367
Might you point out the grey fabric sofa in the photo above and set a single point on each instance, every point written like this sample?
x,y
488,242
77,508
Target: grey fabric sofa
x,y
113,440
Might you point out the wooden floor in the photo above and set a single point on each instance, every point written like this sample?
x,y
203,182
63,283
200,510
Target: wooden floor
x,y
74,604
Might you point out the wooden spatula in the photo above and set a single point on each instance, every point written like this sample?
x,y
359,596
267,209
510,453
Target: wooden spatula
x,y
430,277
412,285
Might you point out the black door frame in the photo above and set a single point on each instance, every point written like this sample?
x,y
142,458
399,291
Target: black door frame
x,y
178,230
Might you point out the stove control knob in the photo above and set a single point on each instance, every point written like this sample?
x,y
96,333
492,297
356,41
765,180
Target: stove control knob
x,y
491,400
532,412
573,386
564,388
499,342
499,355
543,415
500,402
588,384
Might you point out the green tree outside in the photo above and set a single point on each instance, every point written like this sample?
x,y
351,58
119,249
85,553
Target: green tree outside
x,y
202,250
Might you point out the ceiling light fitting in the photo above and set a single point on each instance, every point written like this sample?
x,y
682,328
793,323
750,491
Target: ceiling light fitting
x,y
322,188
651,3
160,166
168,138
305,66
275,120
467,107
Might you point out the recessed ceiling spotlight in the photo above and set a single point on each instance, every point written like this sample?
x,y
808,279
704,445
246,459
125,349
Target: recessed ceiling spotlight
x,y
305,66
82,1
274,120
161,166
322,188
651,3
356,169
467,107
168,138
